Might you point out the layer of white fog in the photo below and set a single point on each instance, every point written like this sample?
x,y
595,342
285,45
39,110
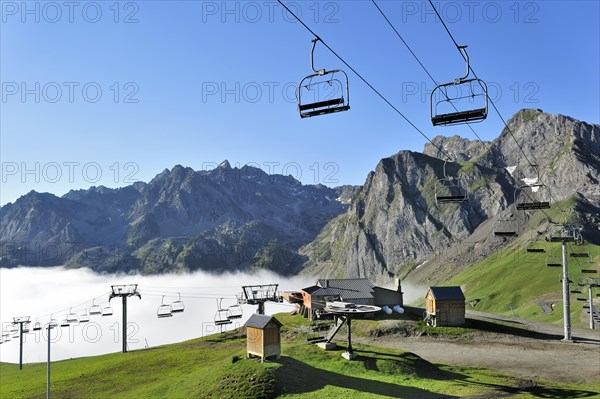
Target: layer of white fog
x,y
39,292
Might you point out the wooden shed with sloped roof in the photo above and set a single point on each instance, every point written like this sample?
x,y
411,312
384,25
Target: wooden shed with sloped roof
x,y
445,306
263,335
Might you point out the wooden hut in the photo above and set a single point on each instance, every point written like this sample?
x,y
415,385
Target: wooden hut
x,y
445,306
263,336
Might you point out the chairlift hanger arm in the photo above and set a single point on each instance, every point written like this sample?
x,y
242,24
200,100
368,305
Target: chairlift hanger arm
x,y
463,50
318,72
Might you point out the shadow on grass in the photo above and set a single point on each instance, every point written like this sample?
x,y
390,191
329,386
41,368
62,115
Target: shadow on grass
x,y
508,329
297,377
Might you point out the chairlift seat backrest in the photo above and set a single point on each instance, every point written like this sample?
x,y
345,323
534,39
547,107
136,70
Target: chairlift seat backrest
x,y
107,311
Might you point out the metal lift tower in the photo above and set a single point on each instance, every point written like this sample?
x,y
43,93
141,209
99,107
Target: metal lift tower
x,y
124,291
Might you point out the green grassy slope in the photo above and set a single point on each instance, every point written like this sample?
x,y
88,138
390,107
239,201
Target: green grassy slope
x,y
216,367
513,277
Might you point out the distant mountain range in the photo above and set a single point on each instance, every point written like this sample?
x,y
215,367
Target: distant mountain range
x,y
225,219
231,219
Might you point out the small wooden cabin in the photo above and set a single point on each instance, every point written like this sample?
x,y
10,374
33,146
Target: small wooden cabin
x,y
263,336
445,306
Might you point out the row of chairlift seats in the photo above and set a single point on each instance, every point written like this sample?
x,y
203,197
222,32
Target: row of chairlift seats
x,y
70,318
223,315
331,94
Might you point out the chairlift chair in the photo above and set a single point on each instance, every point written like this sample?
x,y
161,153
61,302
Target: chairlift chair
x,y
534,245
450,189
72,317
589,271
107,310
575,291
329,89
581,299
37,326
533,196
222,315
235,312
95,310
451,103
554,261
506,227
177,306
164,310
65,322
84,317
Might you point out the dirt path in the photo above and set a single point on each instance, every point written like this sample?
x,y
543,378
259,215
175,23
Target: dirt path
x,y
547,357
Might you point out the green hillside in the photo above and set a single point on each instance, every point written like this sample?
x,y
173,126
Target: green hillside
x,y
513,277
216,367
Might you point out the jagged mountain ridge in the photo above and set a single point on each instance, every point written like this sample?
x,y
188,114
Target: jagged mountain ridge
x,y
393,225
223,219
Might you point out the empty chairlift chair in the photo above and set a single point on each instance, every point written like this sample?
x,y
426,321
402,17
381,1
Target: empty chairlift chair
x,y
107,310
164,310
235,312
177,306
462,101
508,227
84,317
37,326
323,92
534,195
222,315
450,189
554,260
95,310
72,317
535,245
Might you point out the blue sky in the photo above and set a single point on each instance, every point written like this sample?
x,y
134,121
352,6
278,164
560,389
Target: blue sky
x,y
112,92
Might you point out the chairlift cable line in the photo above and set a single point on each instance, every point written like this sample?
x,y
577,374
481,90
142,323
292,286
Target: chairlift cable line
x,y
365,81
488,147
475,75
492,102
441,151
424,68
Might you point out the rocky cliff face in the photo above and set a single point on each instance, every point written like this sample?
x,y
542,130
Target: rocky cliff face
x,y
224,219
394,223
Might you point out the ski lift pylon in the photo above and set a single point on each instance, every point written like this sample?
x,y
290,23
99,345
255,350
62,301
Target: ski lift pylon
x,y
450,189
449,107
177,306
329,93
164,310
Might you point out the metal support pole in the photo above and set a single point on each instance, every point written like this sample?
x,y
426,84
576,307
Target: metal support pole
x,y
261,308
349,324
566,300
48,366
124,324
21,346
590,298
